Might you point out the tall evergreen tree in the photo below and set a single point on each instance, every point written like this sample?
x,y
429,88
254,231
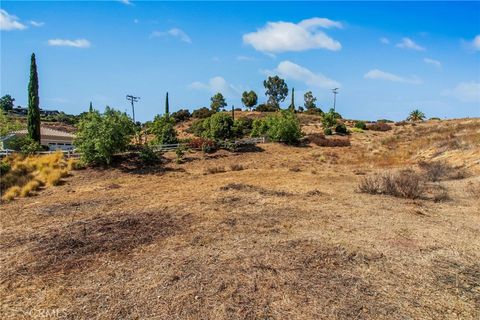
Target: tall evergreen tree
x,y
167,107
292,104
33,116
90,109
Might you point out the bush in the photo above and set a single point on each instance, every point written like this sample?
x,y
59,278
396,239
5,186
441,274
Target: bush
x,y
357,130
204,144
361,125
329,119
181,115
379,126
327,131
259,128
197,128
4,168
100,136
264,107
284,127
321,141
214,170
384,121
341,128
148,156
163,127
242,127
25,145
202,113
219,127
403,184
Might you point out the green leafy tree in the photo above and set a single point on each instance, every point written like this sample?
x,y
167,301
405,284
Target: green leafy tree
x,y
163,127
329,120
218,127
309,101
6,103
416,115
249,99
33,116
217,102
100,136
292,104
276,90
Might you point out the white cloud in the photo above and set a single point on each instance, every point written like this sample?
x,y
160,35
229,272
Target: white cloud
x,y
79,43
216,84
127,2
465,92
476,42
281,36
293,71
37,23
408,43
175,32
384,40
433,62
10,22
376,74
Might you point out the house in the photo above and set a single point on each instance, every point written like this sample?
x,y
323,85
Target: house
x,y
53,139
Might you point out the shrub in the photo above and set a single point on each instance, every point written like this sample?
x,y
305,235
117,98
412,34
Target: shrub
x,y
202,113
358,130
11,193
181,115
341,128
100,136
379,126
435,118
284,127
321,141
384,121
327,131
29,187
361,125
204,144
329,120
180,152
236,167
242,127
436,170
259,128
4,168
197,128
214,170
218,127
25,145
148,156
163,127
403,184
265,107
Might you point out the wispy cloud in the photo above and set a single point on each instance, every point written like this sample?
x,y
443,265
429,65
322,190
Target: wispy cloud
x,y
376,74
384,40
476,43
79,43
408,43
281,36
175,32
293,71
465,92
433,62
127,2
245,58
10,22
216,84
37,23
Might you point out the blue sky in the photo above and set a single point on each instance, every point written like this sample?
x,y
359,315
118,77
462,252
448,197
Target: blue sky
x,y
387,58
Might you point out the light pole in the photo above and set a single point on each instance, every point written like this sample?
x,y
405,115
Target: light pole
x,y
335,92
132,100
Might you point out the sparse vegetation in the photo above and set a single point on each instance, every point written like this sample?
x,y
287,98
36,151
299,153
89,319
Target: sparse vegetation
x,y
402,184
379,126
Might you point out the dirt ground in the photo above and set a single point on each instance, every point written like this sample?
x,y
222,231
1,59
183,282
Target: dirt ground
x,y
276,232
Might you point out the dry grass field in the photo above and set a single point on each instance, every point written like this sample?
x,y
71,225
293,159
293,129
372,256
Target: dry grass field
x,y
276,232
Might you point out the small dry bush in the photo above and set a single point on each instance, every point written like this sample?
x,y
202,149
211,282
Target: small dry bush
x,y
438,170
402,184
379,126
236,167
322,141
473,189
214,170
27,174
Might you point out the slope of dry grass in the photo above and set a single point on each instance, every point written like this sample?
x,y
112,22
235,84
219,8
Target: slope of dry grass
x,y
286,237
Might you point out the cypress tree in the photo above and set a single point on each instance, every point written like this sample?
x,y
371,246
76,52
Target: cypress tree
x,y
167,107
292,105
33,116
90,109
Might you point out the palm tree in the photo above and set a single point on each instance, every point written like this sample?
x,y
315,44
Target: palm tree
x,y
416,115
